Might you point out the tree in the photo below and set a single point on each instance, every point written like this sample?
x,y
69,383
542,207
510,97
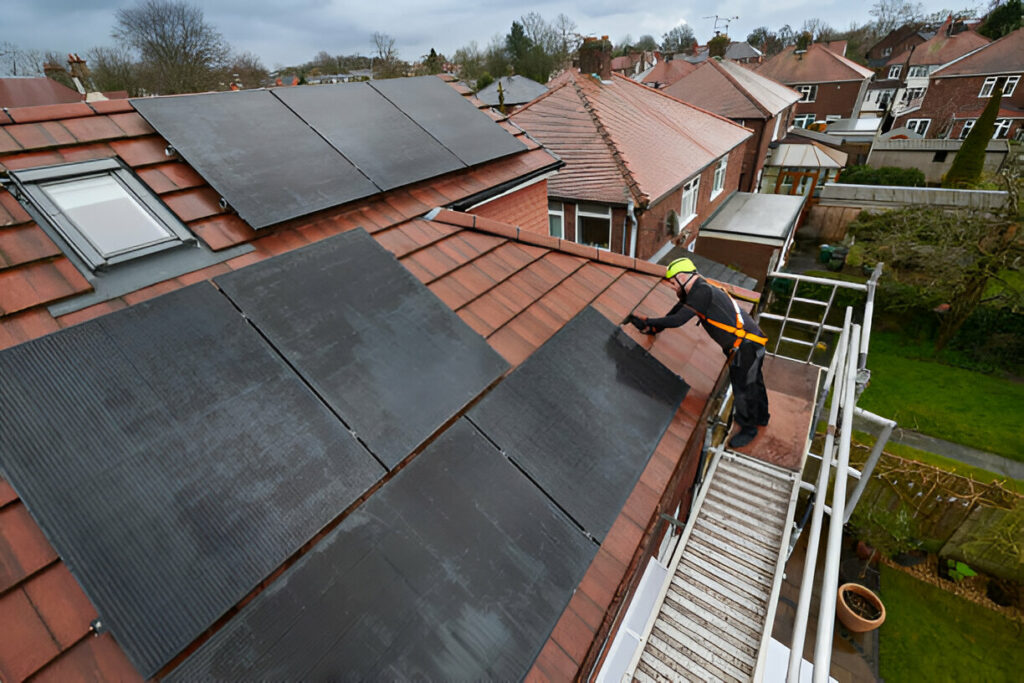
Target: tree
x,y
469,62
718,45
433,63
386,63
820,30
527,57
17,61
679,39
113,68
1003,20
568,36
247,71
624,47
969,161
179,52
891,14
646,43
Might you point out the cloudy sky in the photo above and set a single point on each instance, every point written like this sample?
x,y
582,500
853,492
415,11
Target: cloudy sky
x,y
283,33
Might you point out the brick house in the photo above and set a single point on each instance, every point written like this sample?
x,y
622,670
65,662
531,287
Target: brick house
x,y
641,168
831,86
958,92
746,97
898,41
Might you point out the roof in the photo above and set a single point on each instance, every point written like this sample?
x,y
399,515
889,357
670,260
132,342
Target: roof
x,y
998,57
623,140
837,46
517,89
942,48
711,269
31,92
731,90
765,216
514,288
817,65
809,155
667,73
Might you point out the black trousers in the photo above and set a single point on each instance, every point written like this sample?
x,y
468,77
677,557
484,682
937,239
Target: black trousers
x,y
750,399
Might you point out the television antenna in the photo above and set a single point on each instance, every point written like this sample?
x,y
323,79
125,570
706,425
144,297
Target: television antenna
x,y
722,20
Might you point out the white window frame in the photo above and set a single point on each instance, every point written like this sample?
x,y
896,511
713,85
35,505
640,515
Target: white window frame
x,y
917,72
1002,129
803,117
556,213
829,118
915,124
912,94
718,182
894,70
886,51
32,184
808,93
584,213
688,202
778,120
1009,85
968,125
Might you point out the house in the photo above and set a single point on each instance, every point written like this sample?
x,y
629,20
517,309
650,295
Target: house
x,y
896,42
738,51
31,92
746,97
958,91
950,43
286,425
515,91
635,63
641,168
832,86
664,74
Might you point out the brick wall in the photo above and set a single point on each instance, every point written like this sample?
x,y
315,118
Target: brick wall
x,y
832,98
757,147
749,258
526,208
947,98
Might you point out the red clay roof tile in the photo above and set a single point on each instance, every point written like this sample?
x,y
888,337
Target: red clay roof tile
x,y
90,312
38,284
98,150
61,604
49,112
141,151
21,327
223,231
7,494
132,124
553,664
39,135
24,549
17,162
573,635
11,212
111,106
91,659
195,203
27,645
7,143
93,128
24,243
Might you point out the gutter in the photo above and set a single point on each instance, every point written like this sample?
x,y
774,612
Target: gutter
x,y
507,187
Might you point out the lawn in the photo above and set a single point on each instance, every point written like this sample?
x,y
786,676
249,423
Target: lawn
x,y
971,408
932,635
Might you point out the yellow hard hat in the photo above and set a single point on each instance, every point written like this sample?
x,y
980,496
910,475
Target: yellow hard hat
x,y
680,265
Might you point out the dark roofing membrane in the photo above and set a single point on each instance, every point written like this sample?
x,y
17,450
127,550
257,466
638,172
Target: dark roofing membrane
x,y
173,460
582,416
392,360
279,154
457,569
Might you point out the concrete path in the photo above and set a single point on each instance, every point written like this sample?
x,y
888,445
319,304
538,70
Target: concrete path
x,y
991,462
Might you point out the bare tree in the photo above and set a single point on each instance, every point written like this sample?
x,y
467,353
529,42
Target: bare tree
x,y
18,61
386,63
113,68
891,14
179,52
247,71
819,30
569,38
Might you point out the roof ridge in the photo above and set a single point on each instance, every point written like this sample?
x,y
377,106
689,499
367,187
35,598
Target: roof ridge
x,y
684,102
746,93
620,161
848,63
550,92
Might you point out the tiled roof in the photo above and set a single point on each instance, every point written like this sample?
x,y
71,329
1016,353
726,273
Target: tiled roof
x,y
1005,55
31,92
728,89
620,139
514,287
837,46
817,65
667,73
942,48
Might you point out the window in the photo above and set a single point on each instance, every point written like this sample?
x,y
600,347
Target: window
x,y
809,92
556,219
919,126
775,132
688,207
719,180
917,72
1002,129
102,210
594,225
803,120
894,71
886,52
829,118
968,124
940,156
913,94
1009,84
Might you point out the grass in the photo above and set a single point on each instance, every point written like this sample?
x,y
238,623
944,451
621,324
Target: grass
x,y
970,408
932,635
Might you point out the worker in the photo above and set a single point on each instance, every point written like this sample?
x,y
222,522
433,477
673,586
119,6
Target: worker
x,y
733,329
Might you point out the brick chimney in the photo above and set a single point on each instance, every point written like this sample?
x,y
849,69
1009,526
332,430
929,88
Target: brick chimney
x,y
596,57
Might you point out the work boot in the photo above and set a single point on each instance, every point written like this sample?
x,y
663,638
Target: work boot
x,y
743,437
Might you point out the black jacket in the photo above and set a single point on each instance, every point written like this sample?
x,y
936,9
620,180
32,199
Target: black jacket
x,y
716,305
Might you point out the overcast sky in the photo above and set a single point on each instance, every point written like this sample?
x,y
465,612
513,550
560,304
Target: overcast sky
x,y
287,33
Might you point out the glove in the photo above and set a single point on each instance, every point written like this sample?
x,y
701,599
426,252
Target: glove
x,y
640,323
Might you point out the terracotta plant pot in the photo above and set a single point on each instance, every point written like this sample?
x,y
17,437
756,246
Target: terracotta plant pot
x,y
850,618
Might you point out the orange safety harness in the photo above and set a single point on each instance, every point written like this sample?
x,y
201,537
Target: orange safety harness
x,y
738,330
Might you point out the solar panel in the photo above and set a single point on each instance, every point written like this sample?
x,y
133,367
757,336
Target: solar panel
x,y
173,461
457,569
472,135
582,416
391,359
260,156
371,132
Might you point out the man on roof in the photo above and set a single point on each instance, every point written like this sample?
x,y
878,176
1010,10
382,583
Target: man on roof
x,y
733,329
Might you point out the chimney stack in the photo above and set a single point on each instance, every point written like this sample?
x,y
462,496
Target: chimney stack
x,y
596,57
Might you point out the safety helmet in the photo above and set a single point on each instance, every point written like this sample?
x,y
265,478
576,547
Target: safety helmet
x,y
680,265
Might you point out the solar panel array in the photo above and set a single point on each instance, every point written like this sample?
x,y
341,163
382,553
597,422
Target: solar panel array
x,y
284,153
456,570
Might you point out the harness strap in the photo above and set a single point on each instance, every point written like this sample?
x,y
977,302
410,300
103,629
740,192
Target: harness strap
x,y
738,330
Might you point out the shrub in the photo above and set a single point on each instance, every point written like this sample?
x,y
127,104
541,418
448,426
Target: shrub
x,y
886,175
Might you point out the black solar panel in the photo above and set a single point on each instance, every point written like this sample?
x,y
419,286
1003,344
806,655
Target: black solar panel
x,y
392,359
381,140
472,135
456,570
582,416
260,156
173,461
